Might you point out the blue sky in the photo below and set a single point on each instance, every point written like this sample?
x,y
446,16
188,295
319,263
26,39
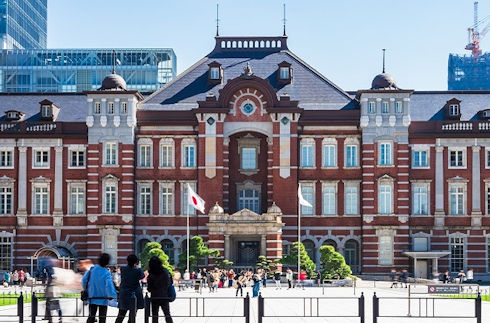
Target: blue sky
x,y
341,39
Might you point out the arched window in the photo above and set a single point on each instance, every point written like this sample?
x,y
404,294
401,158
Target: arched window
x,y
223,44
233,44
141,245
268,44
168,248
310,249
273,44
239,44
351,255
330,242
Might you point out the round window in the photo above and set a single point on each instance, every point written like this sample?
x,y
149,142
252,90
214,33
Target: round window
x,y
248,108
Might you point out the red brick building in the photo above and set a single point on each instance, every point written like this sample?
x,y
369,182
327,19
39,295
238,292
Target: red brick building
x,y
397,178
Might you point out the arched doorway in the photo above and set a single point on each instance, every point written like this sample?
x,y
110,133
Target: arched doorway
x,y
310,249
168,247
141,245
351,255
65,258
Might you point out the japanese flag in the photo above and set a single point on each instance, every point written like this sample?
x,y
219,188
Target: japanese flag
x,y
195,200
301,200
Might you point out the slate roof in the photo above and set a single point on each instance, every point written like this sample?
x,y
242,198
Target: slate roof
x,y
73,106
310,88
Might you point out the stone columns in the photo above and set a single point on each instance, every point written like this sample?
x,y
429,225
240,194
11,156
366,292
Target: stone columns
x,y
476,213
22,188
263,245
227,247
439,213
58,187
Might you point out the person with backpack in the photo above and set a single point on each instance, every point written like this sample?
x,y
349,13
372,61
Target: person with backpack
x,y
97,282
211,281
130,292
277,279
161,289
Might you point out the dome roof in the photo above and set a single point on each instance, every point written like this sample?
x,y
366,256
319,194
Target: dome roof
x,y
383,81
274,209
113,82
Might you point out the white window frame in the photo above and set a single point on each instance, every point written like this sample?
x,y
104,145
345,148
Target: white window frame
x,y
385,107
77,150
350,185
124,108
183,197
187,143
7,239
42,165
380,159
46,111
330,143
487,196
387,241
142,162
165,186
284,73
386,181
349,142
305,210
78,185
97,108
41,185
398,107
110,182
141,186
110,108
454,110
418,185
458,184
464,243
330,185
215,73
7,185
371,107
307,142
167,143
106,161
420,150
7,151
487,158
242,155
457,149
254,199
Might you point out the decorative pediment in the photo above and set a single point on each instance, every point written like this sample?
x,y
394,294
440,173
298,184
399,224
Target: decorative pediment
x,y
245,213
110,177
41,179
386,178
6,180
457,179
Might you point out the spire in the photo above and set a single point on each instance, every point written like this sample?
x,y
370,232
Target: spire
x,y
284,19
113,61
217,20
384,51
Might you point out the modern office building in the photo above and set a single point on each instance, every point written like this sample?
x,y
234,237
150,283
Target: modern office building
x,y
76,70
23,24
397,178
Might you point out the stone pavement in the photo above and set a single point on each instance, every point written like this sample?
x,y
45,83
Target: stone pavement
x,y
224,302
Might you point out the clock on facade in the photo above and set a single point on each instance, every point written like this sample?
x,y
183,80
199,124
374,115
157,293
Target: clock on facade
x,y
248,108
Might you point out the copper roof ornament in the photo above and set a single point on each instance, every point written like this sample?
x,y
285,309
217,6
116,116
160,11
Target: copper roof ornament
x,y
247,70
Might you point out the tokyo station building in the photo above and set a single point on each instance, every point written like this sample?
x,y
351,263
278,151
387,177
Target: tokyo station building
x,y
397,178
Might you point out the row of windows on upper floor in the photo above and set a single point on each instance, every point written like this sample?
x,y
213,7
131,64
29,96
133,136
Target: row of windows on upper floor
x,y
111,108
385,107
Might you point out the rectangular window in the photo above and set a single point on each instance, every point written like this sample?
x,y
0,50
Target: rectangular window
x,y
488,254
284,73
456,200
453,110
110,108
398,107
6,158
420,244
385,108
145,156
5,200
124,107
329,156
215,73
420,205
77,199
488,158
385,153
166,158
185,205
110,198
249,199
457,254
5,253
329,203
145,200
488,200
167,200
110,153
308,194
351,156
385,250
46,111
307,155
249,158
189,156
77,158
41,197
97,108
351,202
371,107
456,158
41,158
419,158
385,199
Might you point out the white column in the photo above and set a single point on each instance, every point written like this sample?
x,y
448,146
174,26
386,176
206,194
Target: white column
x,y
476,185
22,188
227,247
439,180
263,245
58,181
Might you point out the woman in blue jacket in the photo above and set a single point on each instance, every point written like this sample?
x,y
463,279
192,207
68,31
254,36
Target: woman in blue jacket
x,y
98,282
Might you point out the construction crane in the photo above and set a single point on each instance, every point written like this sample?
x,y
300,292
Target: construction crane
x,y
474,35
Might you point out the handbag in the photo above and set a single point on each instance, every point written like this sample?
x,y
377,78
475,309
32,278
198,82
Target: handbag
x,y
172,294
84,293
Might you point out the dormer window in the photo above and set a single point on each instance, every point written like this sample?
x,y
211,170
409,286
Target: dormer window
x,y
454,110
13,115
284,73
215,74
46,111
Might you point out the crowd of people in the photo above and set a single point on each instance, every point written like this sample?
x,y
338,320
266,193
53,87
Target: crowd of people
x,y
16,278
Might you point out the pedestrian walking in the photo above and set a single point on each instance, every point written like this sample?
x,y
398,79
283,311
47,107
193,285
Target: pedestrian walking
x,y
116,277
15,277
277,279
22,277
302,278
264,278
52,303
231,275
405,278
98,283
159,282
130,292
289,278
394,278
256,287
240,281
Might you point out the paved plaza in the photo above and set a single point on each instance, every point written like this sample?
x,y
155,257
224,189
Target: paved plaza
x,y
296,302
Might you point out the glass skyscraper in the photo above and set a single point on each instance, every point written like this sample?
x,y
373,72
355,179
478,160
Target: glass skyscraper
x,y
23,24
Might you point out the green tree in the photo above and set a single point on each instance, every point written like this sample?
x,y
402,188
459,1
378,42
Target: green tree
x,y
333,263
305,262
152,249
222,263
198,251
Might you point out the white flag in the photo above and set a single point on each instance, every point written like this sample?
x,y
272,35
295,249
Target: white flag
x,y
301,200
195,200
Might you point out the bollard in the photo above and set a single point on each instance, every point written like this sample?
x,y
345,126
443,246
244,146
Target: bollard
x,y
261,308
20,308
375,308
246,308
409,302
478,308
361,307
33,308
147,309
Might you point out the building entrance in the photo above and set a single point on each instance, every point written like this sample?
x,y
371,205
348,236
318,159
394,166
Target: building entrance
x,y
247,253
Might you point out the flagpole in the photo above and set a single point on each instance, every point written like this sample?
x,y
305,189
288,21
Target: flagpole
x,y
188,230
299,237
